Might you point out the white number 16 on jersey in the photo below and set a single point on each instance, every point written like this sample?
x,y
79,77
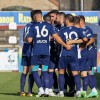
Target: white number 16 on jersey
x,y
43,33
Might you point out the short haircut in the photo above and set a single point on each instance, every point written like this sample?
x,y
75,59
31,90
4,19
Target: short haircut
x,y
82,17
76,19
61,13
47,18
34,12
54,11
69,17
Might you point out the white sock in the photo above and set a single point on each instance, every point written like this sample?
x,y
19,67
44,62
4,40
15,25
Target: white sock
x,y
94,90
46,91
61,92
41,89
50,90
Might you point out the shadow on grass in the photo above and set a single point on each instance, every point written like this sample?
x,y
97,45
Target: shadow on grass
x,y
16,94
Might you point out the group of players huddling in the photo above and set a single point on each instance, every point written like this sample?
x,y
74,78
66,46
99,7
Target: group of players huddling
x,y
58,41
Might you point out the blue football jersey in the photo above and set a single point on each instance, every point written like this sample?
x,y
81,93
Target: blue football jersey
x,y
41,32
26,50
70,33
89,34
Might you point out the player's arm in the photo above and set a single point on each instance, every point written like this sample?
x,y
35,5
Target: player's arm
x,y
91,40
30,35
60,41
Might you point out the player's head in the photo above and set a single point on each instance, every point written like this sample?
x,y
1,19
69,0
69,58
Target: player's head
x,y
37,15
31,14
77,21
53,15
47,18
82,20
69,19
60,18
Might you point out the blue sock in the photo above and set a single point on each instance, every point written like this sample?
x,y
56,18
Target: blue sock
x,y
45,78
30,83
37,78
92,81
51,80
42,80
77,82
61,81
55,81
22,82
85,83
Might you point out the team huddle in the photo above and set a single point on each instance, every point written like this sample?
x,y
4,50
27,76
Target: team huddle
x,y
63,48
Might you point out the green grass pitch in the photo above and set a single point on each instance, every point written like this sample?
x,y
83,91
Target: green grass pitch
x,y
9,88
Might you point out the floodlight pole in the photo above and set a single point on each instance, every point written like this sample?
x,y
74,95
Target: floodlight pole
x,y
82,7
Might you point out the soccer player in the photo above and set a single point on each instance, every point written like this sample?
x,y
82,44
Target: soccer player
x,y
26,58
70,35
53,58
69,80
83,60
39,33
92,53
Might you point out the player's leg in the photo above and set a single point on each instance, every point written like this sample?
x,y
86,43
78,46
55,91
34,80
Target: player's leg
x,y
35,67
85,83
55,75
61,78
46,79
91,77
30,82
75,71
23,75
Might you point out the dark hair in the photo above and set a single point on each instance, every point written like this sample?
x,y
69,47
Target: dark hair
x,y
76,19
33,12
54,11
61,13
82,17
69,17
46,17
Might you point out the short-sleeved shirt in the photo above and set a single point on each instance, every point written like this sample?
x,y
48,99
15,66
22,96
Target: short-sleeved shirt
x,y
41,32
70,33
26,50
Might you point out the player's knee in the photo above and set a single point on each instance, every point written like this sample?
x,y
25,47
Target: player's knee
x,y
25,70
83,74
61,71
75,73
35,68
44,68
51,70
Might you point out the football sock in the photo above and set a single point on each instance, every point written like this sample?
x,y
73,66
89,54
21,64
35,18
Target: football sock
x,y
22,82
92,81
55,81
77,82
61,81
37,78
51,81
85,83
45,78
30,83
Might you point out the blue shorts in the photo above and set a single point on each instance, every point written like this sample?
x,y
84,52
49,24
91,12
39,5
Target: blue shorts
x,y
40,60
65,61
92,54
26,61
84,63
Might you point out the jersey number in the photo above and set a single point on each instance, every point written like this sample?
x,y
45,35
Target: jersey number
x,y
43,33
69,36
